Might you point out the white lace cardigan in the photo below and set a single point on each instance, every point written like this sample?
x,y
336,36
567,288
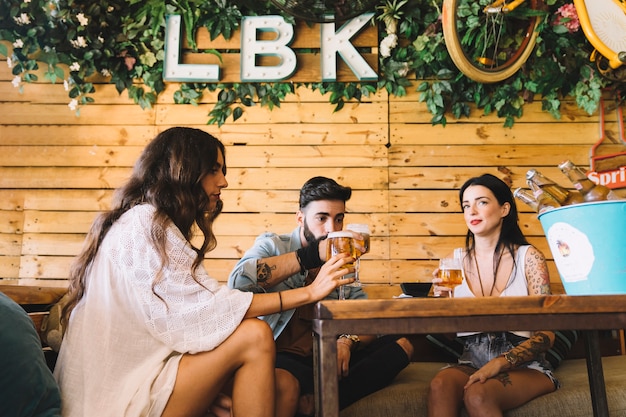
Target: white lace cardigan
x,y
120,354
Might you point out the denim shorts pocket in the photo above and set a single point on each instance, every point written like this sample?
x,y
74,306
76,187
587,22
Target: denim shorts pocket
x,y
483,347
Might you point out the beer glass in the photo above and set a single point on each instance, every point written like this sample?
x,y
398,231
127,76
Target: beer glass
x,y
450,273
341,242
364,231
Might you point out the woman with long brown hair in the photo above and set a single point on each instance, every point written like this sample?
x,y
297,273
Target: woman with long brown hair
x,y
149,333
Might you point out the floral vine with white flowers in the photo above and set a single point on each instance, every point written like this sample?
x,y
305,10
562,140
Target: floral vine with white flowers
x,y
83,43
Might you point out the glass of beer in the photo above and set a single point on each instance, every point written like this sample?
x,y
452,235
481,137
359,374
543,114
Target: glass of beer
x,y
341,242
450,273
364,231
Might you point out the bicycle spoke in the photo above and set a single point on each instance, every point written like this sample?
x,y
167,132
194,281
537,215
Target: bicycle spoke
x,y
490,41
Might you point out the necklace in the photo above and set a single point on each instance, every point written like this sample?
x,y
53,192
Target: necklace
x,y
480,280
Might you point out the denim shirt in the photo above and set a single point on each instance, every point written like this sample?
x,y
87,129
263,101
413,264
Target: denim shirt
x,y
244,275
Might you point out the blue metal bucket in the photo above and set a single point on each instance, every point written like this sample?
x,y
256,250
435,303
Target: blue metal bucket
x,y
588,244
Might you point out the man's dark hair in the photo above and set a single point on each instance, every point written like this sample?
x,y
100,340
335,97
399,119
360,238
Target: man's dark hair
x,y
322,188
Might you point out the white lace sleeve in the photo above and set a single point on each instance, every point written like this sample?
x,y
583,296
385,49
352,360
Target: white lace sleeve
x,y
180,312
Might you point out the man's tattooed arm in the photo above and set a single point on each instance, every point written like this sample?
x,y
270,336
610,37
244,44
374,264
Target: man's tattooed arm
x,y
274,270
264,274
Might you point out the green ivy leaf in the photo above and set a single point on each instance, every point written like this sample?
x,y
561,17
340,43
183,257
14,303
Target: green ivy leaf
x,y
126,40
149,58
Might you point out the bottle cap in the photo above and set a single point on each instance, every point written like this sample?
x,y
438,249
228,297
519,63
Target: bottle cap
x,y
531,173
566,164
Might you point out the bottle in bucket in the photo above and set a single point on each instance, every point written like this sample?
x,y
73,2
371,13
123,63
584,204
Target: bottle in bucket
x,y
589,189
561,194
545,200
526,196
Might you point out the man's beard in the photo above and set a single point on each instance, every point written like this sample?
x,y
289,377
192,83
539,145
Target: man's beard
x,y
309,236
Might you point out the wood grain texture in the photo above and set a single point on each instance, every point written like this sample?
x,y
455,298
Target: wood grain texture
x,y
59,170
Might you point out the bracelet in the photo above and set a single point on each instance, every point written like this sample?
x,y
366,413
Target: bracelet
x,y
347,343
510,358
309,256
351,337
280,299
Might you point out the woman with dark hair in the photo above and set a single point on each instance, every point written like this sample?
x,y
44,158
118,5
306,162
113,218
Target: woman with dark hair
x,y
149,333
501,370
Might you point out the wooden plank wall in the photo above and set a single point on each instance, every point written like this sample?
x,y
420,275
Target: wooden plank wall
x,y
58,170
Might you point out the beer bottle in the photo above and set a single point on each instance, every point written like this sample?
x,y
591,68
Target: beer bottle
x,y
561,194
527,197
545,201
589,189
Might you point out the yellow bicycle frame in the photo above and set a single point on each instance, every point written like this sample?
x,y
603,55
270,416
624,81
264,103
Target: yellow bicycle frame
x,y
498,4
600,47
585,23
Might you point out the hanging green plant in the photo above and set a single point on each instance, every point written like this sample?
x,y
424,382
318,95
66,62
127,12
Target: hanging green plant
x,y
122,42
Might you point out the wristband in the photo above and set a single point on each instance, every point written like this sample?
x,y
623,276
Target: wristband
x,y
309,256
353,338
510,358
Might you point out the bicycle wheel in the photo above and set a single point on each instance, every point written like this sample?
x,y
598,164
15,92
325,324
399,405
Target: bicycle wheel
x,y
488,43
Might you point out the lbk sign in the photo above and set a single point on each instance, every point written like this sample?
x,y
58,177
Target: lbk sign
x,y
267,49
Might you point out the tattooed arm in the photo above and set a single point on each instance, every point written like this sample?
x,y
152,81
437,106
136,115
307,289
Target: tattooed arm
x,y
538,279
273,259
270,261
526,351
537,275
529,350
273,270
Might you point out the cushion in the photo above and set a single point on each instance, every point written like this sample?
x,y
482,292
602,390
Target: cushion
x,y
27,387
563,342
407,395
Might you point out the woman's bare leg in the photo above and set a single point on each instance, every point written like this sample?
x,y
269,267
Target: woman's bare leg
x,y
506,391
247,356
445,394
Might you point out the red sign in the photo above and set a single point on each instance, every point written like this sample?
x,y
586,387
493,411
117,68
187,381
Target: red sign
x,y
615,178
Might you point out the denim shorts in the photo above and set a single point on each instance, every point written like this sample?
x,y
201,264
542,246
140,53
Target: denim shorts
x,y
480,348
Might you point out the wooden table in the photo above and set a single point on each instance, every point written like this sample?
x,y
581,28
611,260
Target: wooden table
x,y
432,315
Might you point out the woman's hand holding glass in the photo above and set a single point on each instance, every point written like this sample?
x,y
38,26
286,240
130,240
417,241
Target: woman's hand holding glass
x,y
447,276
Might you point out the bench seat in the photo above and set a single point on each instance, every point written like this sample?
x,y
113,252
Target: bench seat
x,y
407,395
